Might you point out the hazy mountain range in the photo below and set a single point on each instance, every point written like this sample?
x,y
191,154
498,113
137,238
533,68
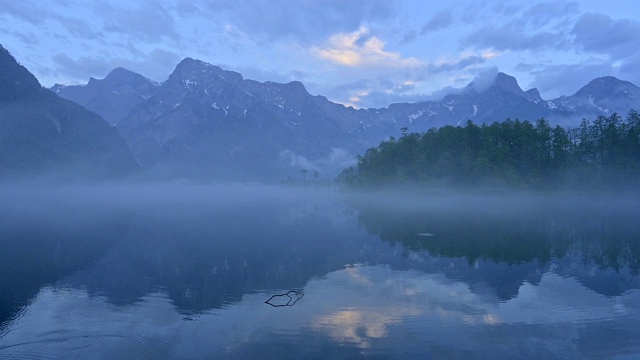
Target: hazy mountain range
x,y
205,115
211,123
41,132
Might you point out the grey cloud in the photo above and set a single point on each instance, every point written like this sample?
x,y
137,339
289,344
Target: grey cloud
x,y
83,67
481,9
187,7
376,98
556,80
460,64
328,166
381,91
157,65
544,25
150,20
303,21
259,74
600,34
37,13
438,21
524,67
513,36
25,37
356,84
399,86
544,13
409,37
28,11
630,69
485,79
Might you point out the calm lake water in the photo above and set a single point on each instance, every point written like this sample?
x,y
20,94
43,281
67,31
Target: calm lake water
x,y
179,271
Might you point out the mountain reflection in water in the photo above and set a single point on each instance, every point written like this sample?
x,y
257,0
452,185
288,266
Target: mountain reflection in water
x,y
142,274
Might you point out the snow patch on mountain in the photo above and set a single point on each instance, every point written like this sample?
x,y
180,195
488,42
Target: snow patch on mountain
x,y
188,82
412,117
591,99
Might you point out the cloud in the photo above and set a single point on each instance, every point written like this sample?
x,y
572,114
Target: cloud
x,y
150,20
542,26
328,166
513,36
304,21
374,91
156,65
376,87
440,20
630,69
545,13
38,13
464,61
485,79
25,37
566,79
599,33
361,48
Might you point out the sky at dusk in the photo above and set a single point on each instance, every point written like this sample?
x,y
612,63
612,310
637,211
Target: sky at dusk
x,y
359,53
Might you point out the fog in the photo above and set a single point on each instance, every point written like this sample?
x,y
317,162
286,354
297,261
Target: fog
x,y
173,252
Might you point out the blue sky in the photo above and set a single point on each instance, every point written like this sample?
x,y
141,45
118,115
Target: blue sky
x,y
360,53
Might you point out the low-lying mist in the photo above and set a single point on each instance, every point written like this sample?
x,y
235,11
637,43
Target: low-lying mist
x,y
209,244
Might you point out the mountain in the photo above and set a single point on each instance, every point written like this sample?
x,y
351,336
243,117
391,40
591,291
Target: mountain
x,y
503,99
601,96
213,122
205,121
121,87
40,132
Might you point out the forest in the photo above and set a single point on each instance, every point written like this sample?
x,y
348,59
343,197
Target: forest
x,y
599,153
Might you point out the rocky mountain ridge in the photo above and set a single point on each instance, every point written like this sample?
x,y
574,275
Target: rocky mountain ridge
x,y
211,121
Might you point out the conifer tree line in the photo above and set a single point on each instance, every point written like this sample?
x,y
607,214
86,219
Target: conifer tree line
x,y
604,152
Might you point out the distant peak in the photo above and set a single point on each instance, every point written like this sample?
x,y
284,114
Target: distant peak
x,y
605,86
189,66
57,87
508,83
533,95
606,79
121,74
191,62
120,71
492,79
297,85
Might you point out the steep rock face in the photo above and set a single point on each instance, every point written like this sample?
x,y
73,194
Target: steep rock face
x,y
112,97
210,122
39,132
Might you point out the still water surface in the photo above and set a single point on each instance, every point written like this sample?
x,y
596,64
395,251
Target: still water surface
x,y
149,272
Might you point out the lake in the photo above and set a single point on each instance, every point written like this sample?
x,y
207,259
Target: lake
x,y
149,271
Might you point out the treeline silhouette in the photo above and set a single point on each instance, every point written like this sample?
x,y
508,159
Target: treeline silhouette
x,y
598,153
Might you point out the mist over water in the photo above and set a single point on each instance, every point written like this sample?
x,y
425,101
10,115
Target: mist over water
x,y
180,270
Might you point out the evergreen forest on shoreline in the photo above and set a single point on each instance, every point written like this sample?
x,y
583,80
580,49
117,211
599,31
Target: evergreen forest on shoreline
x,y
600,154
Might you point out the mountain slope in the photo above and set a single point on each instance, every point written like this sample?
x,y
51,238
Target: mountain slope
x,y
210,122
40,132
601,96
112,97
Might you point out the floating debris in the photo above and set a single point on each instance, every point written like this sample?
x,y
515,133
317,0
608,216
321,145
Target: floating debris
x,y
425,234
289,298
